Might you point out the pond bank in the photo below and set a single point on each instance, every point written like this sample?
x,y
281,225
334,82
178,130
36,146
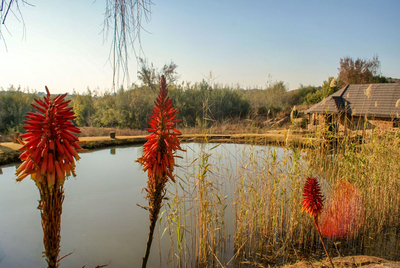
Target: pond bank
x,y
9,151
349,261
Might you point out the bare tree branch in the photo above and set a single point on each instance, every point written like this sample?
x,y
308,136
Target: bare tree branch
x,y
11,7
124,18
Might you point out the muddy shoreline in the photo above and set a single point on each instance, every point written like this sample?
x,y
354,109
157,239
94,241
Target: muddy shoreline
x,y
9,152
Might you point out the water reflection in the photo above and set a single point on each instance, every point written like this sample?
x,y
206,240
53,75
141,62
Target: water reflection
x,y
113,151
102,222
100,217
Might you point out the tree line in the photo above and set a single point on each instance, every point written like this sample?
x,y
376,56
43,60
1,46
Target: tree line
x,y
200,104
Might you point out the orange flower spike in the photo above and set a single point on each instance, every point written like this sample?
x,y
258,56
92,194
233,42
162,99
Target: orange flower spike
x,y
313,198
24,155
68,170
159,145
51,179
21,168
313,204
51,145
22,176
43,168
48,132
60,175
36,157
60,148
71,150
29,166
50,163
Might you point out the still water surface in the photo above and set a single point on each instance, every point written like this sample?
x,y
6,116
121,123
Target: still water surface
x,y
100,218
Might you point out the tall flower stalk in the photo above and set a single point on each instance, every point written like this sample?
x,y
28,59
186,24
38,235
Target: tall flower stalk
x,y
158,156
313,204
49,154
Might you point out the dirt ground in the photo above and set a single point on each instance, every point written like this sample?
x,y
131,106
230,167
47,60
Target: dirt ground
x,y
9,151
349,261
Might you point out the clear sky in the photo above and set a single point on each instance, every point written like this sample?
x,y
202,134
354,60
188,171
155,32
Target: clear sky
x,y
242,42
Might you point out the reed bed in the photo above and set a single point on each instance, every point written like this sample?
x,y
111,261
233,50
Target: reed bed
x,y
241,207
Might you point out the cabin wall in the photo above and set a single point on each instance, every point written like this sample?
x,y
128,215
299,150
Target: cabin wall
x,y
345,122
382,124
315,121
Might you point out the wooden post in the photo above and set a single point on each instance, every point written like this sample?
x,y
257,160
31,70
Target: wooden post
x,y
16,137
112,135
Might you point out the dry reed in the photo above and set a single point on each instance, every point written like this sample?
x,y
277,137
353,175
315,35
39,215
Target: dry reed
x,y
253,195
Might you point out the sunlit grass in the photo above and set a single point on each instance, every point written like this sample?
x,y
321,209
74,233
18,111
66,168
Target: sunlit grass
x,y
242,207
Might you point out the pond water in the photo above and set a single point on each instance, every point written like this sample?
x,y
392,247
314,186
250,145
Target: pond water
x,y
100,218
101,222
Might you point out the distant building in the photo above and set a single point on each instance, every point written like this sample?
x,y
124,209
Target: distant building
x,y
356,107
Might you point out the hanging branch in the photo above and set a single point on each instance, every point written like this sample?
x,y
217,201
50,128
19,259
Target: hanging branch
x,y
124,18
11,7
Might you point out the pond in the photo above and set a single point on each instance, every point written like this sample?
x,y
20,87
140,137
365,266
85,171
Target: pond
x,y
101,222
100,218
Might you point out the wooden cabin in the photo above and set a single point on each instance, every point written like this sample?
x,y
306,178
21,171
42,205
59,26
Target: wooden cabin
x,y
358,107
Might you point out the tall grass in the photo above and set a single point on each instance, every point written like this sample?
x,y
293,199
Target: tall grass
x,y
240,208
196,215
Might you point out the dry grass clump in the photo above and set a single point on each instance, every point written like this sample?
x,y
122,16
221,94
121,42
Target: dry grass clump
x,y
242,206
196,214
6,137
232,127
99,132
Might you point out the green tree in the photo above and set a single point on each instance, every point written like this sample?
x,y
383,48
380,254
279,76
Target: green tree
x,y
83,108
14,104
304,91
105,111
147,74
327,89
150,76
271,100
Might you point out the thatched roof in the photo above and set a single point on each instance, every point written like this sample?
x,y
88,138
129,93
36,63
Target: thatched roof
x,y
378,100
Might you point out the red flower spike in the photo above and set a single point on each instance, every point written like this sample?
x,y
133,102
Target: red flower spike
x,y
50,145
158,156
313,198
313,204
162,143
344,212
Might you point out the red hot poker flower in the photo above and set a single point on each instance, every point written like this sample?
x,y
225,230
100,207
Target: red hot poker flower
x,y
158,157
50,148
313,203
344,212
313,198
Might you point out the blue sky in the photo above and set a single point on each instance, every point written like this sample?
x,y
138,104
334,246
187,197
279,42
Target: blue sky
x,y
248,43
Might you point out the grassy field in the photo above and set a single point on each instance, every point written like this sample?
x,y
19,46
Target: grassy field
x,y
247,212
